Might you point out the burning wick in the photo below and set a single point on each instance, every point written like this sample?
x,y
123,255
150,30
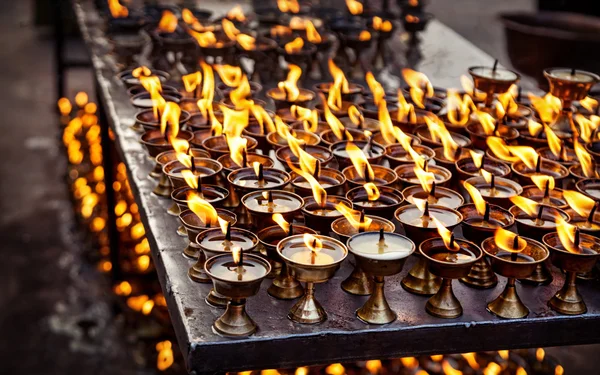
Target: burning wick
x,y
323,198
590,217
547,190
538,164
538,219
313,253
240,265
227,242
245,158
486,214
381,243
361,222
366,172
493,185
426,210
317,171
519,93
199,183
515,246
261,177
572,72
368,147
576,239
495,66
432,191
270,200
457,152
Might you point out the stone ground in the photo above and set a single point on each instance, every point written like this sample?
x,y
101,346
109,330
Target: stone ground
x,y
49,293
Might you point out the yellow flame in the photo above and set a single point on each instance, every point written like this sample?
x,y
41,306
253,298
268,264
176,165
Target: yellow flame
x,y
170,116
246,41
360,161
234,121
229,29
477,158
505,240
566,235
586,127
476,197
507,102
420,86
165,357
449,370
364,36
283,224
208,84
501,149
373,193
237,147
190,178
525,153
290,85
340,84
580,203
492,369
230,75
527,205
286,6
189,18
585,159
589,103
263,118
168,22
191,81
318,191
554,143
312,34
280,31
205,211
205,39
309,118
459,108
236,14
335,369
426,179
440,133
236,254
471,360
240,96
543,181
64,106
308,163
313,243
355,115
353,216
375,87
81,99
547,107
373,366
117,10
534,127
446,235
540,354
334,123
295,46
355,7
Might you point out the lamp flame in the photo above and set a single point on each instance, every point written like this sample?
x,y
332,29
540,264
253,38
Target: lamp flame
x,y
230,75
170,116
247,42
191,81
420,86
426,179
459,108
501,149
286,6
168,22
313,243
585,159
295,46
364,36
312,34
568,235
117,10
190,178
283,224
381,25
534,127
360,162
290,85
543,182
236,14
547,107
480,203
527,205
373,193
508,241
580,203
354,7
446,235
354,217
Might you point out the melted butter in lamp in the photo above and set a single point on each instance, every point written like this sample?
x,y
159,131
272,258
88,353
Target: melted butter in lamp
x,y
280,204
566,74
413,216
498,191
298,252
224,268
216,241
498,74
369,245
444,255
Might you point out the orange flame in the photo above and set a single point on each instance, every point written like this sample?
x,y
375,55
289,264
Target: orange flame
x,y
355,115
137,73
295,46
360,162
458,109
585,159
230,75
205,211
189,177
340,85
548,107
543,182
472,360
526,154
420,86
477,158
236,14
318,191
500,149
364,36
237,148
488,123
263,118
567,234
290,85
189,18
535,128
507,101
247,42
117,10
375,87
353,216
168,22
181,146
191,81
240,96
170,116
291,6
446,235
81,99
312,34
476,197
313,243
64,106
589,103
527,205
505,240
438,132
449,370
354,7
426,179
373,193
229,29
307,162
554,143
280,30
381,25
580,203
283,224
586,127
205,39
334,123
309,118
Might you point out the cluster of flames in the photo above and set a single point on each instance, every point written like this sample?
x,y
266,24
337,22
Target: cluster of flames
x,y
82,140
486,363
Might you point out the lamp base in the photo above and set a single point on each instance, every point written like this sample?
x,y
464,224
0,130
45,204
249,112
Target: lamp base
x,y
164,188
308,310
284,286
508,305
182,231
444,303
174,210
235,321
568,301
191,252
214,299
358,283
481,276
376,310
197,272
541,276
420,281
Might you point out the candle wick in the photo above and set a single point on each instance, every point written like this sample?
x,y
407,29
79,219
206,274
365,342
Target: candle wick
x,y
361,222
426,211
516,243
482,161
576,240
540,212
291,230
495,66
381,244
452,245
493,182
547,190
199,185
261,177
593,212
457,152
573,72
240,266
425,165
519,93
432,191
317,169
366,172
228,232
245,158
486,214
538,164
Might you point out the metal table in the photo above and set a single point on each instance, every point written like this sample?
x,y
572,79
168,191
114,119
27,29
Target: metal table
x,y
280,343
